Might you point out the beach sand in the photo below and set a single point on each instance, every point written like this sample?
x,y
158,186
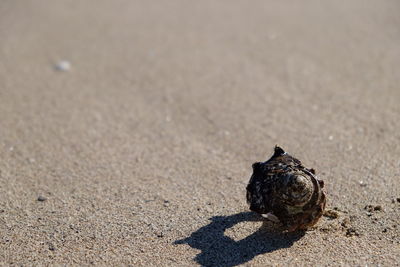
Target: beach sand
x,y
137,148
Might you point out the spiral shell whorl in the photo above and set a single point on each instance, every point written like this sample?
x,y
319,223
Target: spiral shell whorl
x,y
297,189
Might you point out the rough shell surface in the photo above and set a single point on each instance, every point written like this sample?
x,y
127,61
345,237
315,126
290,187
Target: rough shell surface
x,y
284,187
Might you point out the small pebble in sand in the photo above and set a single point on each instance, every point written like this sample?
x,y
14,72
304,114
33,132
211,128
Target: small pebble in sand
x,y
166,203
41,198
331,214
340,210
63,65
52,247
160,234
378,208
371,208
352,232
346,223
209,209
362,183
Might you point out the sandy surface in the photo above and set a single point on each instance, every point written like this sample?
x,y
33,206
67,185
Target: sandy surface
x,y
142,150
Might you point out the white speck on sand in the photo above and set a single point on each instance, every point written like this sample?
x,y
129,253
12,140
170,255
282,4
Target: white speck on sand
x,y
63,65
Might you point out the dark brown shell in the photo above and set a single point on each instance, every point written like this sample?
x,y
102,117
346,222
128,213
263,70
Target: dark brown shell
x,y
284,187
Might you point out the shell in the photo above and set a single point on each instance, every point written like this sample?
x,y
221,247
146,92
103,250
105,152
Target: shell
x,y
282,186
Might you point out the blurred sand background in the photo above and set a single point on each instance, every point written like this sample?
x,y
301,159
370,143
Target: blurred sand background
x,y
142,150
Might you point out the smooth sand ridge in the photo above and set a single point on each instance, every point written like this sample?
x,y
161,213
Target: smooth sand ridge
x,y
141,151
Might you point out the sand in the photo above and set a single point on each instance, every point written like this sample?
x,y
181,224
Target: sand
x,y
139,153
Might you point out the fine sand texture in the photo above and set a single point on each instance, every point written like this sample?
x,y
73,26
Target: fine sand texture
x,y
137,149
